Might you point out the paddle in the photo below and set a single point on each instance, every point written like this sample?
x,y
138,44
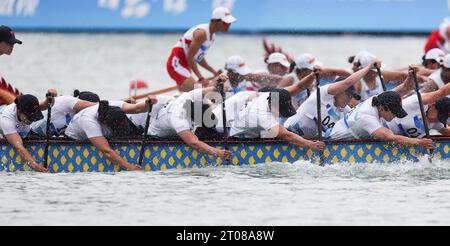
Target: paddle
x,y
162,91
48,130
422,111
381,78
221,87
147,125
319,117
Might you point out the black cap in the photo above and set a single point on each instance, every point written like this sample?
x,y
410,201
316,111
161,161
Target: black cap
x,y
351,90
443,108
29,106
7,35
87,96
285,106
114,118
392,101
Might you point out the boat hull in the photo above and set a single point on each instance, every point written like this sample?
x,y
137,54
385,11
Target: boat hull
x,y
70,157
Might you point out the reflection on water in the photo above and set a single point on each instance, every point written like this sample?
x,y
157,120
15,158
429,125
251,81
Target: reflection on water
x,y
271,194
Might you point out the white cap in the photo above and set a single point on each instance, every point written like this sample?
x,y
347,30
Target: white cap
x,y
307,61
366,58
435,54
237,64
446,61
278,58
443,28
223,14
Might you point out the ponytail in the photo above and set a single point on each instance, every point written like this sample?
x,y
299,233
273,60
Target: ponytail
x,y
76,93
376,102
351,59
266,60
103,108
292,67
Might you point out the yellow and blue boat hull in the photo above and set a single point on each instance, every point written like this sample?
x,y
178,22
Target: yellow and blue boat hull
x,y
70,157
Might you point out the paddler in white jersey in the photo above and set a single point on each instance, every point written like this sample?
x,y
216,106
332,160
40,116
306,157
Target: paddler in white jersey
x,y
439,78
63,110
371,84
241,77
261,119
235,104
301,68
107,120
335,98
191,50
365,121
183,115
140,120
436,106
15,121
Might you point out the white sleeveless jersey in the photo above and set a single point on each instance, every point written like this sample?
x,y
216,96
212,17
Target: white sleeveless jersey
x,y
255,120
233,106
360,123
367,93
304,122
85,124
188,37
173,118
412,125
139,120
62,113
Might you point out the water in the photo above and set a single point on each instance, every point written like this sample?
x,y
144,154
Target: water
x,y
271,194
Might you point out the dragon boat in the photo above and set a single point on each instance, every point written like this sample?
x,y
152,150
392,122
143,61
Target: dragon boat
x,y
79,157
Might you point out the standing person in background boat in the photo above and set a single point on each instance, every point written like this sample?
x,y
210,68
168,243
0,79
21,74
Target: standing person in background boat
x,y
15,123
261,119
365,121
191,50
439,78
63,110
7,40
303,67
241,77
437,108
439,38
335,99
371,84
183,115
105,121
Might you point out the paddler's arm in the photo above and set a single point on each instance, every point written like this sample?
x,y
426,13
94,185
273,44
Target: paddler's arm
x,y
429,86
16,141
433,97
282,133
80,105
342,86
190,139
43,105
394,76
198,40
206,66
333,73
286,82
102,144
304,84
140,107
445,131
384,134
263,78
